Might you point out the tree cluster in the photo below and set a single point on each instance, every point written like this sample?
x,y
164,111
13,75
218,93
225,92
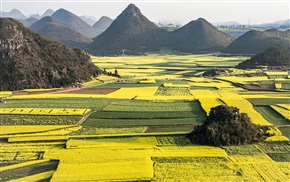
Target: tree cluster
x,y
276,56
226,126
116,74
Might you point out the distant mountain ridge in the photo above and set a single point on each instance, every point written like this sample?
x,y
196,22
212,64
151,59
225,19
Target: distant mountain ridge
x,y
29,60
15,14
254,42
131,32
103,23
48,12
277,24
75,23
27,22
52,28
88,20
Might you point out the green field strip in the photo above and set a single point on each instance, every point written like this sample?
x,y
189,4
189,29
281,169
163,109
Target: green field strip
x,y
141,122
24,164
66,103
285,131
274,147
28,170
280,157
36,177
268,101
38,120
272,116
144,115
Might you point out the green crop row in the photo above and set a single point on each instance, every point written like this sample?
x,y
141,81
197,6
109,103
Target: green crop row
x,y
141,122
38,120
83,103
173,91
271,115
144,115
268,101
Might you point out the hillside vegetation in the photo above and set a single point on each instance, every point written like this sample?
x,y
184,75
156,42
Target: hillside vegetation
x,y
277,56
29,60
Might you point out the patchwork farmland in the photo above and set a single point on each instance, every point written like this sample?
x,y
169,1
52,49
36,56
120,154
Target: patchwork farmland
x,y
134,127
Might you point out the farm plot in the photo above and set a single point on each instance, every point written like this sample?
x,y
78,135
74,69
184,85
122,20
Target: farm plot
x,y
129,93
265,172
208,103
125,158
256,165
116,169
283,109
285,131
280,157
21,172
38,120
36,177
268,101
12,130
169,123
172,91
44,111
5,94
194,169
106,130
232,99
142,113
272,116
82,103
148,106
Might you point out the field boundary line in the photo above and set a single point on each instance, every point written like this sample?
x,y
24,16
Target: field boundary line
x,y
85,117
283,126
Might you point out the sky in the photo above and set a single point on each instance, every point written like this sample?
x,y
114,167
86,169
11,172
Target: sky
x,y
165,11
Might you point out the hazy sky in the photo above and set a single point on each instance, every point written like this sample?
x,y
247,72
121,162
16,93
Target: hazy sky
x,y
181,12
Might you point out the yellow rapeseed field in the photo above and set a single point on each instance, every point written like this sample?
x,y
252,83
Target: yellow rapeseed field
x,y
129,93
116,169
62,95
176,85
5,130
44,111
166,98
283,109
233,99
54,132
208,103
5,93
277,135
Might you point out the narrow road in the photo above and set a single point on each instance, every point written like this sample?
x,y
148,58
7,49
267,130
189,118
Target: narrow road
x,y
74,89
84,118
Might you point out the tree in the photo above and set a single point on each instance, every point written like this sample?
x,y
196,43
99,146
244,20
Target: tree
x,y
116,72
226,126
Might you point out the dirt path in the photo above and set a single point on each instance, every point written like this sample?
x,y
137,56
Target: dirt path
x,y
84,118
283,126
87,115
75,89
